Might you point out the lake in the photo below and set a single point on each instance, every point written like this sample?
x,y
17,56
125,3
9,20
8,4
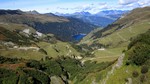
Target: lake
x,y
78,36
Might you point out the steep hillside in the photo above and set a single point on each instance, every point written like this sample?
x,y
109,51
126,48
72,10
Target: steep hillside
x,y
65,31
120,32
63,70
27,57
116,54
22,41
16,33
61,27
136,65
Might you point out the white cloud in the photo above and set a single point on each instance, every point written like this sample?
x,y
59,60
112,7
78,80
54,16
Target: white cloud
x,y
125,2
92,7
143,3
131,4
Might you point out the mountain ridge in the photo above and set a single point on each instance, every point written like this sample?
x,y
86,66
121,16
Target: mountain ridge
x,y
61,27
102,18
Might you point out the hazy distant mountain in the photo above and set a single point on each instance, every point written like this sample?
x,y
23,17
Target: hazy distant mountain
x,y
51,14
82,13
111,12
102,18
33,12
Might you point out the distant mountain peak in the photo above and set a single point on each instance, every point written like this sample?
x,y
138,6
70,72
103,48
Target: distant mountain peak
x,y
102,18
51,14
111,12
33,12
82,13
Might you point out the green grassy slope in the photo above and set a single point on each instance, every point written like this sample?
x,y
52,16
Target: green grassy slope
x,y
88,38
29,47
120,32
9,38
58,49
14,26
115,38
136,65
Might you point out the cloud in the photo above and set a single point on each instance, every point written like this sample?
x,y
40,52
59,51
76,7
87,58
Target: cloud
x,y
89,7
70,6
131,4
143,3
126,2
95,7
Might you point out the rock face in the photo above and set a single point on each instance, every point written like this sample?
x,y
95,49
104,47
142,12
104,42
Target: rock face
x,y
39,34
56,80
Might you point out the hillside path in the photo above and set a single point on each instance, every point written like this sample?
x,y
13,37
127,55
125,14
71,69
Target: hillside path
x,y
114,67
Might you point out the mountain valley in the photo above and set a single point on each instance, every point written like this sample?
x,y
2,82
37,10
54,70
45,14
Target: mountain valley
x,y
40,48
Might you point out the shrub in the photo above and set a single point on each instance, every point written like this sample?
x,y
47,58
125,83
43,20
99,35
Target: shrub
x,y
124,51
135,74
126,80
23,79
52,68
128,62
142,78
8,60
140,53
34,64
139,48
8,76
144,69
38,76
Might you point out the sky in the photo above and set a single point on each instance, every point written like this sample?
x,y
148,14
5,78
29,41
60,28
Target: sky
x,y
71,6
